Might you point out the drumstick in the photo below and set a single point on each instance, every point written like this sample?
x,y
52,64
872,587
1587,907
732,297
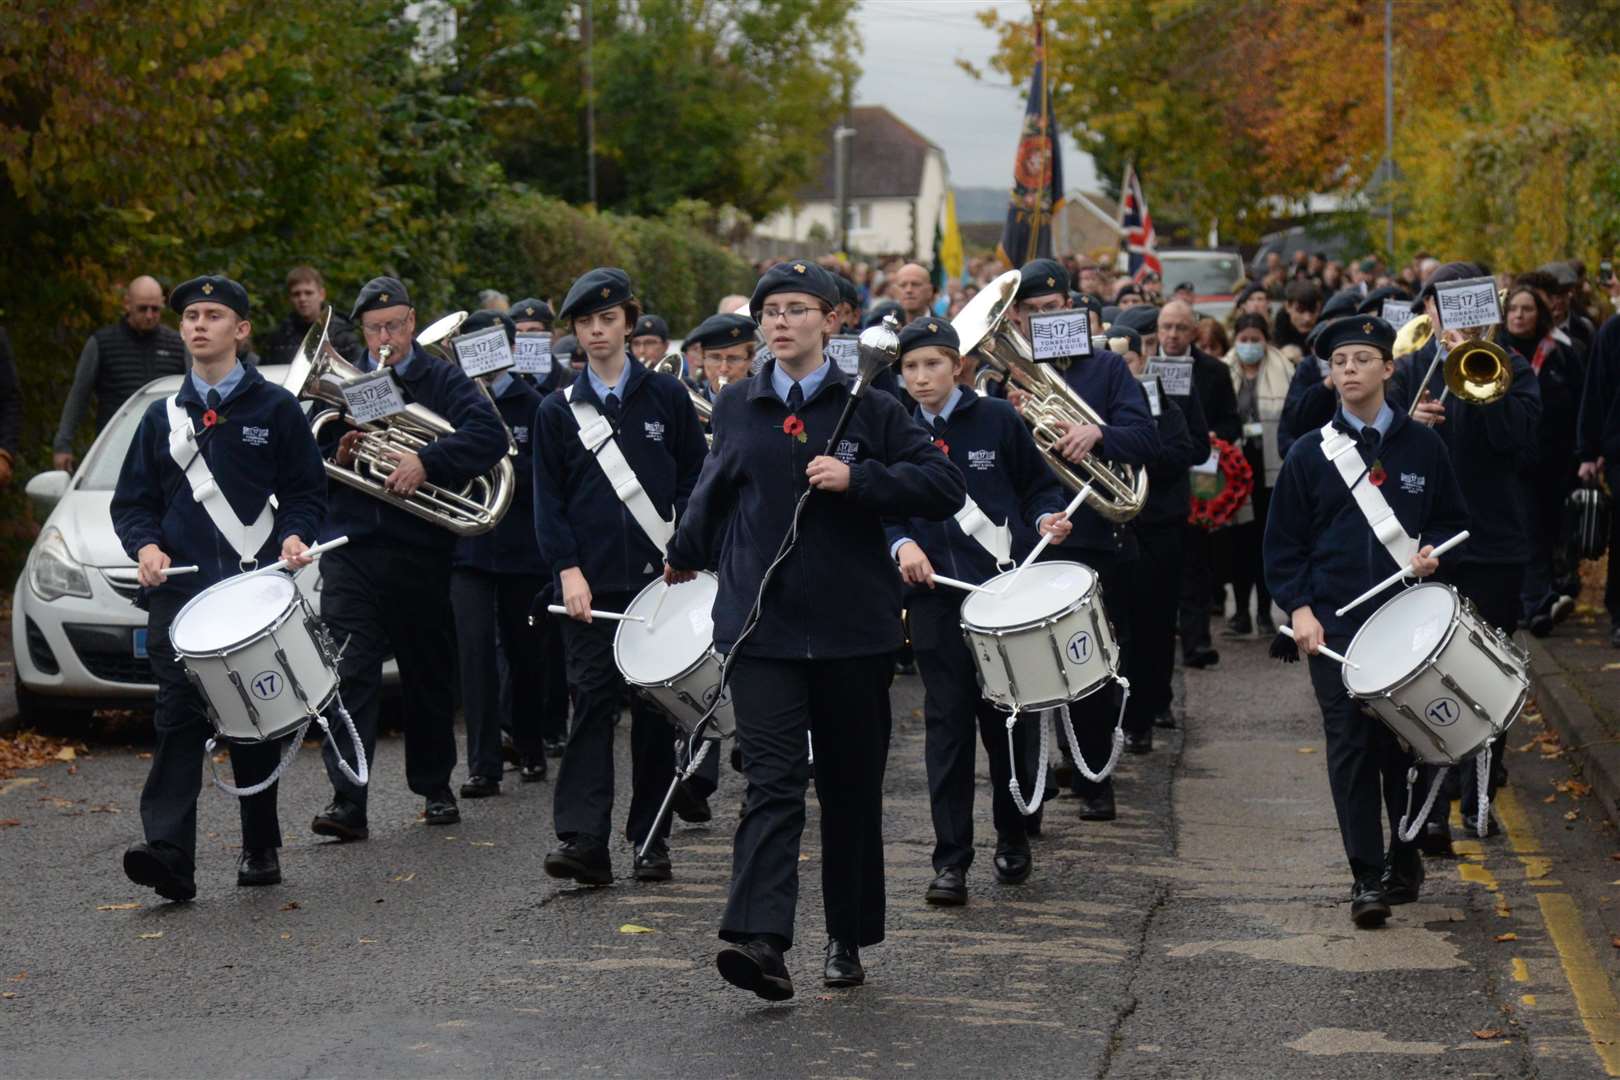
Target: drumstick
x,y
1402,574
173,570
1324,650
659,605
611,616
953,583
1074,504
312,552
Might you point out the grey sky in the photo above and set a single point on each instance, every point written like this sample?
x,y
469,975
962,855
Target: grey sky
x,y
910,68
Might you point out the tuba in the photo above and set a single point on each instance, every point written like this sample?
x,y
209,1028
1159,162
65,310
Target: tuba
x,y
984,326
318,373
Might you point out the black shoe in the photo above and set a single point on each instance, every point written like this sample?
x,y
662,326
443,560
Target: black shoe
x,y
1614,636
756,966
1165,720
1013,865
1368,905
1403,875
1206,657
480,787
145,865
1491,827
1240,625
1139,742
259,866
554,747
509,752
949,888
532,771
843,966
654,866
1032,823
582,862
1562,608
1098,804
690,807
1539,625
902,667
1265,625
1058,776
1435,839
342,819
441,809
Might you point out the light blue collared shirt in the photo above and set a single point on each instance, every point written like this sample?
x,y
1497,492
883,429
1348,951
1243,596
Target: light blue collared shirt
x,y
369,362
602,389
224,386
782,382
1381,422
950,407
503,379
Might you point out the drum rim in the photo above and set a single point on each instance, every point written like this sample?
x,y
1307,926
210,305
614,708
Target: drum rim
x,y
1422,665
1045,620
626,627
296,600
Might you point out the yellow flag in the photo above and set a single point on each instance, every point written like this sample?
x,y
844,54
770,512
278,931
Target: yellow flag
x,y
950,245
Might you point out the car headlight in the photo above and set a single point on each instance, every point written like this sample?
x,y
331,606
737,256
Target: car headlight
x,y
53,571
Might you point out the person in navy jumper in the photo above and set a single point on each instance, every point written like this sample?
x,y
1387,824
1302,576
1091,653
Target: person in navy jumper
x,y
819,658
1009,480
494,578
257,444
1131,437
727,342
388,589
1321,553
602,558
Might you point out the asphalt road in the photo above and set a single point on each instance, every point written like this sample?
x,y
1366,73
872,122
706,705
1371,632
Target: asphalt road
x,y
1203,934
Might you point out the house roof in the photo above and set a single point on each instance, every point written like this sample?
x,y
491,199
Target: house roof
x,y
886,158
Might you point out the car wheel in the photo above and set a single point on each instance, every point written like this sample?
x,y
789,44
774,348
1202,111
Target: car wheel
x,y
49,715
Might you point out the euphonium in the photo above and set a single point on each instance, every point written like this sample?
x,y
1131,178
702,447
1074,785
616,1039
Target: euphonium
x,y
985,327
1413,335
671,365
318,373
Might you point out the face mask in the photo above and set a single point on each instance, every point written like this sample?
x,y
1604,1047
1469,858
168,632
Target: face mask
x,y
1251,352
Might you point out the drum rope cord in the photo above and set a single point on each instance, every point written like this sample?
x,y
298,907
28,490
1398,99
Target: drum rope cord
x,y
1482,790
1118,741
1029,808
287,755
361,777
1402,833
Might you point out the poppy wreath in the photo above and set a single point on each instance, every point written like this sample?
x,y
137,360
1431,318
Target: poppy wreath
x,y
1236,484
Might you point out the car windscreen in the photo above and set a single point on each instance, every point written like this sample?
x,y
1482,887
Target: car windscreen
x,y
1209,277
106,457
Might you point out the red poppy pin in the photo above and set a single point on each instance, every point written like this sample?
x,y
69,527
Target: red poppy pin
x,y
210,418
944,447
794,427
1376,475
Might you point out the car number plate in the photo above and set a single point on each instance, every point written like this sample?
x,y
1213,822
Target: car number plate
x,y
140,643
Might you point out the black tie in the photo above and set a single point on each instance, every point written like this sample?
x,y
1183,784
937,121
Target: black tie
x,y
213,399
1369,436
939,427
795,400
611,407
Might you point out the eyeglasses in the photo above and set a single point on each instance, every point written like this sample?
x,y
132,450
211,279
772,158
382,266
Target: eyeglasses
x,y
793,313
391,327
1360,359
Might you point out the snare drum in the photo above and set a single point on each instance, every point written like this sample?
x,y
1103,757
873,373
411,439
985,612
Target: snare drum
x,y
1043,642
672,658
255,650
1438,675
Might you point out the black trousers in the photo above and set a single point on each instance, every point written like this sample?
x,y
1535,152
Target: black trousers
x,y
1248,573
554,693
841,704
383,598
492,613
1156,580
956,717
583,801
1611,585
169,799
1197,584
1366,769
1094,715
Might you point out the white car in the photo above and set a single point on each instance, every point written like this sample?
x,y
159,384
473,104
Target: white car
x,y
78,638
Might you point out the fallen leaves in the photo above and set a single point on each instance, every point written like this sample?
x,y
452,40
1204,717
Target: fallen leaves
x,y
632,928
1509,936
1615,940
1615,666
8,994
1305,750
412,875
291,905
1571,815
1574,788
31,750
9,823
1488,1033
152,936
118,907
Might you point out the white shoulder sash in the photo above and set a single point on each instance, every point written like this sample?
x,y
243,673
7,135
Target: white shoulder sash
x,y
1340,449
596,433
246,540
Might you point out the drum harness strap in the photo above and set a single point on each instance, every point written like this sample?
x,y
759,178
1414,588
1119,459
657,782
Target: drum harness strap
x,y
246,540
1340,449
1028,808
995,539
596,433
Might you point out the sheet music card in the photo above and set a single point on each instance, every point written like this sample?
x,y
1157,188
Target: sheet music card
x,y
1056,334
533,353
374,396
485,352
846,353
1176,376
1397,313
1467,303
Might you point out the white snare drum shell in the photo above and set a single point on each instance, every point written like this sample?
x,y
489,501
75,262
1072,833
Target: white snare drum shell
x,y
672,658
1044,642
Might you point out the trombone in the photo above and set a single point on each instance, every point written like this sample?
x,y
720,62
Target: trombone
x,y
1478,371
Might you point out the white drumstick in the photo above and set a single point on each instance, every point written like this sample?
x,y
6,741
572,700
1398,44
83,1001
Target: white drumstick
x,y
953,583
659,605
611,616
313,552
1074,504
171,571
1324,650
1402,574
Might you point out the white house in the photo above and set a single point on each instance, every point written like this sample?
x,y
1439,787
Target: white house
x,y
896,192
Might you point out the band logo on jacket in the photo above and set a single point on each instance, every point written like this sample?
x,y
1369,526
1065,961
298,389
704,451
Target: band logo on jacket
x,y
654,430
520,434
982,460
848,450
1412,483
256,436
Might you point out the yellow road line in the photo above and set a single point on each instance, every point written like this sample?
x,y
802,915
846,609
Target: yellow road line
x,y
1594,996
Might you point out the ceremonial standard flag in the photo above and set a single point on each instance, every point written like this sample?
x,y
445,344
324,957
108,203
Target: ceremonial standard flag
x,y
1137,226
950,242
1037,191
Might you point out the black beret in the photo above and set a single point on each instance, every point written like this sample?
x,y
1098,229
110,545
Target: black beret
x,y
1355,330
1247,291
1374,304
719,331
847,292
213,288
1343,302
1143,318
594,290
532,310
651,326
379,292
887,307
1130,288
485,318
929,331
800,276
1451,271
1090,302
1561,272
1042,277
1123,339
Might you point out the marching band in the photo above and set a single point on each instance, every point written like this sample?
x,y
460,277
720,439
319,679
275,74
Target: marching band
x,y
1011,502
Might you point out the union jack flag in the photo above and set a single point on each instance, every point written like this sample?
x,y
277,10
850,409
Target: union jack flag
x,y
1136,227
